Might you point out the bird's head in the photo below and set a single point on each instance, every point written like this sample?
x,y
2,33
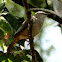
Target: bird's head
x,y
41,14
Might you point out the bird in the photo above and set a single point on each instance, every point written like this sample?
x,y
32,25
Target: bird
x,y
57,6
22,33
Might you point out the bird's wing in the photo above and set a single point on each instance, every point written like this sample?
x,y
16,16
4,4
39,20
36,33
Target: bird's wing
x,y
22,27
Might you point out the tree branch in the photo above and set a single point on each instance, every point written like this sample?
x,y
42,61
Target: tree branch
x,y
56,18
53,15
41,9
47,4
28,13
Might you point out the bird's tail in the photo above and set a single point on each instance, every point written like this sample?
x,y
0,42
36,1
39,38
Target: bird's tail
x,y
10,46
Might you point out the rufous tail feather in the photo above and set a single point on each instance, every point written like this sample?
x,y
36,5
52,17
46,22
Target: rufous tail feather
x,y
10,46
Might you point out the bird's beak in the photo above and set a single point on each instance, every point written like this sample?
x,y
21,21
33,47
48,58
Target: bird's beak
x,y
49,13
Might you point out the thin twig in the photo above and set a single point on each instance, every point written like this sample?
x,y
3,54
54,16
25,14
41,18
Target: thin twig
x,y
53,15
42,9
28,13
47,4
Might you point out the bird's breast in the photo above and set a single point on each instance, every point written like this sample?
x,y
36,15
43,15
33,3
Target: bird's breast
x,y
36,27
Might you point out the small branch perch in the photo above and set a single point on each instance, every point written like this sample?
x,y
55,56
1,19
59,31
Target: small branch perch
x,y
47,4
42,9
53,15
28,13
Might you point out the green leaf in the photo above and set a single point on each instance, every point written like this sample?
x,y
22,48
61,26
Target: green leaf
x,y
37,3
38,57
27,52
2,5
18,59
14,58
0,1
15,9
15,23
3,57
18,2
1,53
5,9
9,60
1,44
4,26
6,60
11,57
21,3
25,58
1,33
21,42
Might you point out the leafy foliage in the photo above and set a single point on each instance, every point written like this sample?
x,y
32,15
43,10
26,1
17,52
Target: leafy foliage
x,y
37,3
2,6
12,20
12,14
